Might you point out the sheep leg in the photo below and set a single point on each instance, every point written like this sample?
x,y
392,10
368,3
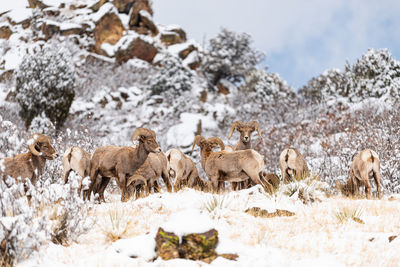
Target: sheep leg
x,y
377,178
66,175
191,181
93,175
167,181
285,175
122,185
100,188
178,179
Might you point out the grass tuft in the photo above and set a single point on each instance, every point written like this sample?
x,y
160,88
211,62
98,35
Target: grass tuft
x,y
345,214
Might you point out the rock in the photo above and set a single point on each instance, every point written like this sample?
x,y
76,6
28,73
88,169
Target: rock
x,y
50,28
51,11
170,38
5,32
185,52
229,256
167,245
136,48
257,212
137,6
148,22
95,7
108,29
77,30
222,89
391,238
37,3
180,32
123,6
200,246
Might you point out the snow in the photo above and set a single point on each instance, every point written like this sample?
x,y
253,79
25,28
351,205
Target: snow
x,y
103,10
187,222
138,246
13,59
67,26
19,15
15,4
108,48
183,134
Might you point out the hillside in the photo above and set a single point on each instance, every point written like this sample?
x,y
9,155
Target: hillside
x,y
110,68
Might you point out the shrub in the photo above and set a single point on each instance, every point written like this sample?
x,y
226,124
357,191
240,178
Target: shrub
x,y
45,83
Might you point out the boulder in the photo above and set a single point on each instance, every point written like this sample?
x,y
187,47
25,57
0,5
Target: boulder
x,y
257,212
123,6
167,245
170,38
137,6
180,32
136,48
37,3
96,6
108,29
200,246
5,32
186,51
50,28
146,21
71,29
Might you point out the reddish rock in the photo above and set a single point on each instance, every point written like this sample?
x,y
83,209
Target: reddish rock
x,y
5,32
170,38
108,29
137,48
180,32
185,52
49,29
147,22
123,6
70,31
36,3
95,7
137,6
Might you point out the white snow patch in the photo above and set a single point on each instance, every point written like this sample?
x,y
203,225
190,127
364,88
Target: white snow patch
x,y
183,134
139,246
189,221
18,15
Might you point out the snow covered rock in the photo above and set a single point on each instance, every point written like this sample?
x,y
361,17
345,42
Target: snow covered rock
x,y
135,47
108,29
5,31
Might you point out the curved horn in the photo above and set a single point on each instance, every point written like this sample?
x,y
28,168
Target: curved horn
x,y
216,141
234,127
255,126
142,131
196,141
33,140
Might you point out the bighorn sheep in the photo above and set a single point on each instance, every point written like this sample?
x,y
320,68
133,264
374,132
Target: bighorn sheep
x,y
244,142
365,166
183,169
245,131
121,162
155,166
292,165
78,160
31,164
234,166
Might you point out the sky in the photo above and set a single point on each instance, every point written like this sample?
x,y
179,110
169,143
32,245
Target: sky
x,y
301,38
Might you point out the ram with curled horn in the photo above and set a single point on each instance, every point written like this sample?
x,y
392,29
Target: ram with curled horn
x,y
234,166
245,131
121,162
31,164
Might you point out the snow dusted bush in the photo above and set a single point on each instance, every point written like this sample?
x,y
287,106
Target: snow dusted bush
x,y
45,83
230,56
11,142
42,124
172,77
376,74
308,190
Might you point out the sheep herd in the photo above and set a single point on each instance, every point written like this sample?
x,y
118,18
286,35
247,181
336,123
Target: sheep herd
x,y
138,168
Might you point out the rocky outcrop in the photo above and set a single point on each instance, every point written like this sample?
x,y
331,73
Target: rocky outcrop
x,y
170,38
196,246
50,28
136,48
5,32
138,5
108,29
257,212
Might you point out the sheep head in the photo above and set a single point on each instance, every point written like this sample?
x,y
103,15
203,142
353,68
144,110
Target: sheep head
x,y
148,138
216,142
245,130
40,146
199,141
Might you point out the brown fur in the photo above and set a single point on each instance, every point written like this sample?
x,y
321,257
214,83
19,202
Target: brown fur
x,y
230,166
183,169
292,165
31,164
156,165
121,162
365,167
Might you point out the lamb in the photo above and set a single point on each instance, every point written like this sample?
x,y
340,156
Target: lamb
x,y
78,160
156,165
31,164
121,162
365,166
292,165
183,169
244,142
234,166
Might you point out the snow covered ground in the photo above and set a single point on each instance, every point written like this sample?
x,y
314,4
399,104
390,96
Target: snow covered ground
x,y
315,236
